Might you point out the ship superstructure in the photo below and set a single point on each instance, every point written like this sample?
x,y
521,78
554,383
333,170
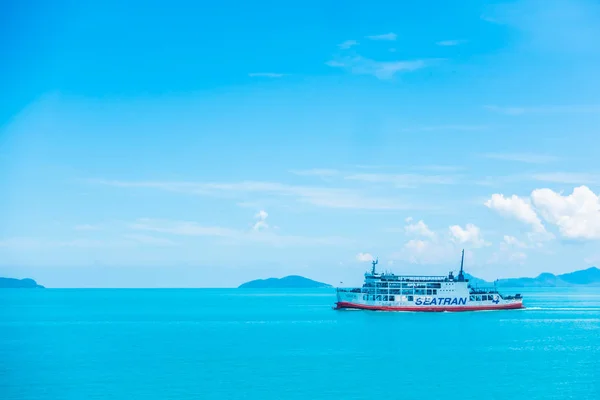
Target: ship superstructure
x,y
390,292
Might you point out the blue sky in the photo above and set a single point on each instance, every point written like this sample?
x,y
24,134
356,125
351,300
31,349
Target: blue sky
x,y
196,144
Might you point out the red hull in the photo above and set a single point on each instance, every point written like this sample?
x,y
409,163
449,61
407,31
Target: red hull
x,y
512,306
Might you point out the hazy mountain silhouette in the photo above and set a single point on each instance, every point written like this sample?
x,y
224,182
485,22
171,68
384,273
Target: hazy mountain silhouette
x,y
292,281
19,283
585,277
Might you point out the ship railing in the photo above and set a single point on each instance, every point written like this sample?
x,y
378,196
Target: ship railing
x,y
483,291
349,290
408,278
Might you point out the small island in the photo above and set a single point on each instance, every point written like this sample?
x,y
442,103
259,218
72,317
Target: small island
x,y
287,282
10,283
585,277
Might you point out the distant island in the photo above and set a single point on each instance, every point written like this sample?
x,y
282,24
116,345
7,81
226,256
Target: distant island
x,y
288,282
585,277
19,283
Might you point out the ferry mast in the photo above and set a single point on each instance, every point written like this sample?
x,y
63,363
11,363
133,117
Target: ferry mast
x,y
374,262
461,276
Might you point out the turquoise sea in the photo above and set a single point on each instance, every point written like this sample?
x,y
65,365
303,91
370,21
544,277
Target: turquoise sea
x,y
250,344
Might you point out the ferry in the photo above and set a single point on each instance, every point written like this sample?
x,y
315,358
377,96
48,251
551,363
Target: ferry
x,y
389,292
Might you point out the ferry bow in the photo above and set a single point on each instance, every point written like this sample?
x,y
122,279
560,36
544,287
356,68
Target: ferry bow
x,y
390,292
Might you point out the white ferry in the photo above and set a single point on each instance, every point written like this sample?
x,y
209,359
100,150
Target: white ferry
x,y
389,292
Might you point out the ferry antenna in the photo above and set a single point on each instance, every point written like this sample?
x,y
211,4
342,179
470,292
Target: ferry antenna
x,y
374,262
461,276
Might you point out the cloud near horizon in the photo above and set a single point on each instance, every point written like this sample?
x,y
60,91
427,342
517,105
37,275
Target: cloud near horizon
x,y
384,70
449,43
343,198
364,257
577,215
266,75
385,37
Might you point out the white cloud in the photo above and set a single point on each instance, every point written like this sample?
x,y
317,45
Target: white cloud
x,y
572,178
519,257
347,44
434,128
558,26
25,243
150,240
417,251
86,227
507,256
364,257
593,259
510,251
261,221
577,215
513,241
523,157
320,172
433,248
419,229
335,64
471,235
383,70
28,243
439,168
386,36
405,180
564,109
234,236
265,75
317,196
184,228
515,207
450,42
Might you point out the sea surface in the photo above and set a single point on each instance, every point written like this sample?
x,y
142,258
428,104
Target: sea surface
x,y
253,344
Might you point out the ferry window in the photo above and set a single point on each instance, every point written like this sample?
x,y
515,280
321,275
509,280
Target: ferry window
x,y
365,297
434,291
379,297
391,298
478,298
472,298
484,298
410,298
429,291
385,298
